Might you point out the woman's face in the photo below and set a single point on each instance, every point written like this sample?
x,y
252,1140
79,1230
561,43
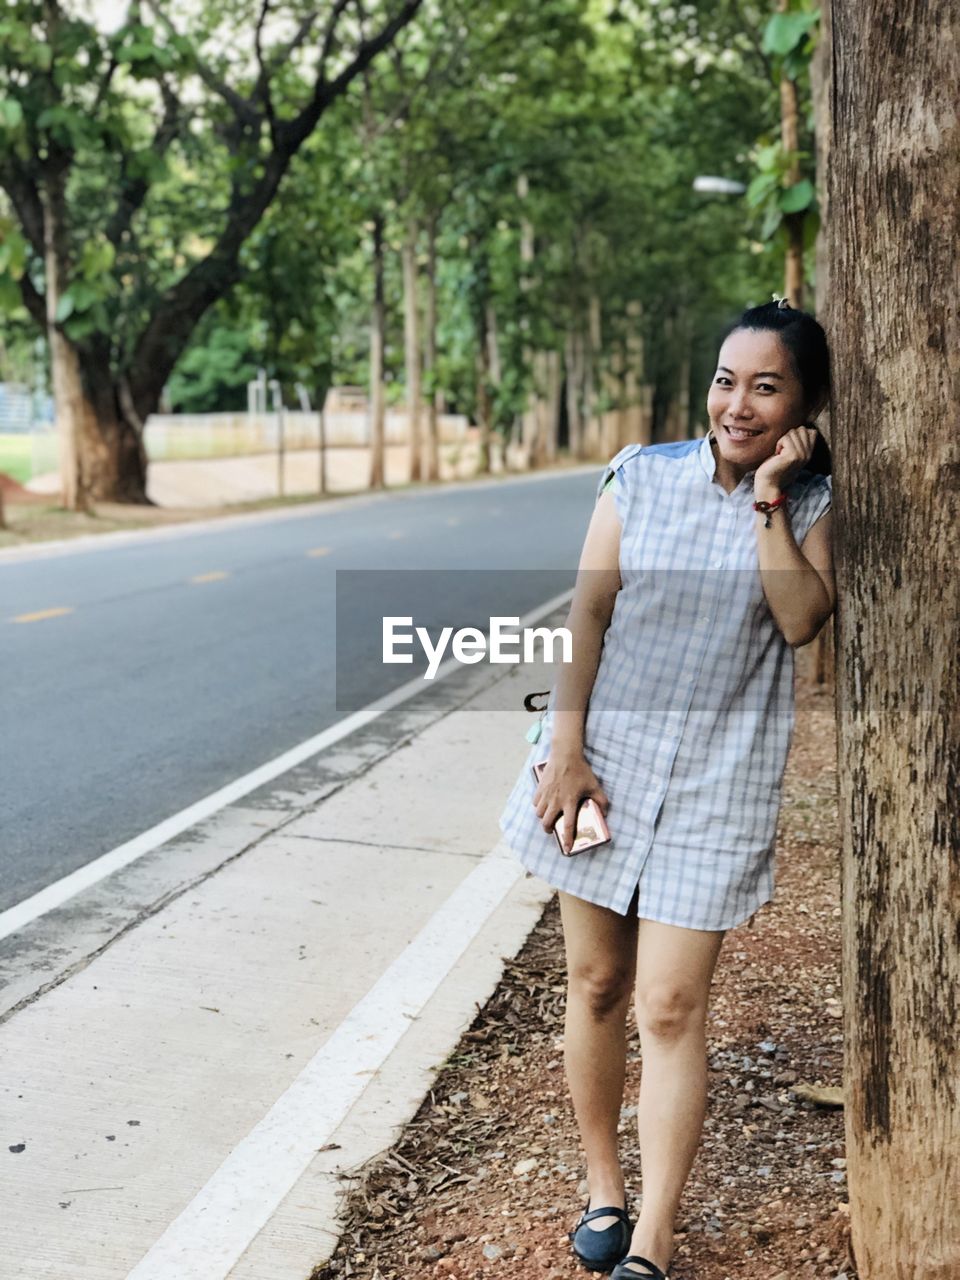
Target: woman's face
x,y
755,397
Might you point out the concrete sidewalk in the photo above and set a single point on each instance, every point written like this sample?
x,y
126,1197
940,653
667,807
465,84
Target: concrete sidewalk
x,y
195,1051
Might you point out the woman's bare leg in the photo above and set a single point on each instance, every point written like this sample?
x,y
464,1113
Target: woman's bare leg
x,y
601,955
674,971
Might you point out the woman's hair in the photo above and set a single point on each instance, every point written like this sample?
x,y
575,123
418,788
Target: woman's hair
x,y
806,345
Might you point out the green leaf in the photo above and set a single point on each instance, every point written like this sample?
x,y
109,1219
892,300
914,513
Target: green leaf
x,y
784,31
769,157
760,188
11,112
13,250
64,307
797,197
771,222
97,258
84,295
10,296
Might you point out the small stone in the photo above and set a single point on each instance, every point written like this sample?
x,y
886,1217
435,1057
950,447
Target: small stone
x,y
839,1163
431,1253
491,1252
524,1166
767,1046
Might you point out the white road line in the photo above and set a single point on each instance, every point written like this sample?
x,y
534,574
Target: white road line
x,y
334,505
61,891
224,1218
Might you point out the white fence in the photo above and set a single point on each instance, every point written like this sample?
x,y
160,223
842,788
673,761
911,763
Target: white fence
x,y
223,435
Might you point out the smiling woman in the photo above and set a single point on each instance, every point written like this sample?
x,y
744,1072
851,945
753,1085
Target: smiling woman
x,y
704,565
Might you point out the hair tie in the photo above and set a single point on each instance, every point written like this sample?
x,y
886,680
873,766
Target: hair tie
x,y
783,303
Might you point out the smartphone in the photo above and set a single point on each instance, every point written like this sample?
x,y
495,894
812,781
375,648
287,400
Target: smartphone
x,y
592,831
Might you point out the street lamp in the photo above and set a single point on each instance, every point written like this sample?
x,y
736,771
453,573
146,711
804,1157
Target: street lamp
x,y
719,186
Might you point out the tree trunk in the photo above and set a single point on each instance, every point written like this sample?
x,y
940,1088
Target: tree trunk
x,y
550,405
378,340
574,369
895,264
482,373
820,89
591,379
430,355
530,430
411,335
790,138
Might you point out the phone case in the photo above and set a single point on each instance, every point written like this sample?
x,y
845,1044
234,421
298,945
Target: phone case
x,y
592,830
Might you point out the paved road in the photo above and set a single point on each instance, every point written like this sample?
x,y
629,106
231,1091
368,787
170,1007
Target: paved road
x,y
184,663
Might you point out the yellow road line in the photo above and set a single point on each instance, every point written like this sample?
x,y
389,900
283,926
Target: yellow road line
x,y
214,576
41,614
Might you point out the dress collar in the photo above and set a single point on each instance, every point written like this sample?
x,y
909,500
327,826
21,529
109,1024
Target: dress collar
x,y
709,463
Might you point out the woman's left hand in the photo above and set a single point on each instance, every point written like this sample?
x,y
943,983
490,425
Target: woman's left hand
x,y
792,453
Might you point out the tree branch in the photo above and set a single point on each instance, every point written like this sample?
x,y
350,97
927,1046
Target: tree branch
x,y
25,198
33,300
298,38
326,91
134,192
178,310
261,90
241,107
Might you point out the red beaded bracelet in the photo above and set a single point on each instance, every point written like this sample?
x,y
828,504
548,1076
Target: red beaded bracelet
x,y
765,508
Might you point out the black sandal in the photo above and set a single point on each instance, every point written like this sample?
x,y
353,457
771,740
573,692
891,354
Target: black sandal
x,y
600,1250
622,1272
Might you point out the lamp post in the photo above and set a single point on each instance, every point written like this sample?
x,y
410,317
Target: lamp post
x,y
718,186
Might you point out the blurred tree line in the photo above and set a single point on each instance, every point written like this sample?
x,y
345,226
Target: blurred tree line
x,y
485,208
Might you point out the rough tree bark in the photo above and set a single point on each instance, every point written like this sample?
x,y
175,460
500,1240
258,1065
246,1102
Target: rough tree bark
x,y
790,138
820,92
894,186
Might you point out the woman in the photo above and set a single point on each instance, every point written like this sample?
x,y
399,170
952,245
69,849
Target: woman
x,y
705,563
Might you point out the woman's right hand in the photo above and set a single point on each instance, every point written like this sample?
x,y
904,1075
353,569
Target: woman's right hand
x,y
566,780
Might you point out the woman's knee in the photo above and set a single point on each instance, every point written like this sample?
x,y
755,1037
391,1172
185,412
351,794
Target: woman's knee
x,y
603,988
669,1009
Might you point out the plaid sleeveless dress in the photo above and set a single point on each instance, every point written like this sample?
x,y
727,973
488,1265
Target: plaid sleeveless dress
x,y
691,714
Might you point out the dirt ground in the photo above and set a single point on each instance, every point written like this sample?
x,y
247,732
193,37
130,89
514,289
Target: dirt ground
x,y
31,517
486,1180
